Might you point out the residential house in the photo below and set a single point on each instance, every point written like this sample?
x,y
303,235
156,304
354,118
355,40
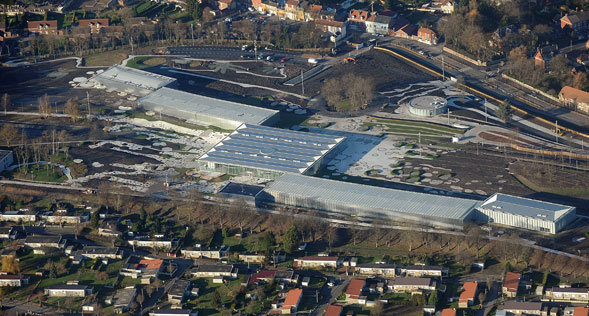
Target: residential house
x,y
42,27
205,252
109,228
357,19
122,299
412,285
317,262
44,241
179,291
354,291
6,156
334,310
427,36
291,303
286,276
577,21
544,55
519,308
95,26
314,11
8,233
574,98
421,271
22,216
68,290
263,275
511,284
173,312
13,280
146,269
100,252
407,31
378,24
448,6
293,10
63,216
568,294
580,311
469,292
252,257
384,270
155,243
213,270
448,312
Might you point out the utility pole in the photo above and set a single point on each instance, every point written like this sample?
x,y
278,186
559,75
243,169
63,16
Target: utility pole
x,y
302,83
88,98
443,69
556,131
192,29
448,115
486,110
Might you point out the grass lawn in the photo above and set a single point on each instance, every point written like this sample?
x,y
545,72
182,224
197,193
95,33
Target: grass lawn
x,y
105,59
207,289
41,173
144,62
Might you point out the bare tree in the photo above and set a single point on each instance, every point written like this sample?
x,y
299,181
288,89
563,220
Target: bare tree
x,y
9,133
44,105
72,108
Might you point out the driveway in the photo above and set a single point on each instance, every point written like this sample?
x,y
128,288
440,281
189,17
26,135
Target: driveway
x,y
329,295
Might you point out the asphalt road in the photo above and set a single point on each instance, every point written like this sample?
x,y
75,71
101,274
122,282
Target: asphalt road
x,y
329,295
225,53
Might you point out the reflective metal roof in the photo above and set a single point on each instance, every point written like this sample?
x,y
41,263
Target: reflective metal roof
x,y
135,77
371,197
271,148
193,104
525,207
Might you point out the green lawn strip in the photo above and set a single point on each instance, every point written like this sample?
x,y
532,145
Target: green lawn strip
x,y
554,190
420,124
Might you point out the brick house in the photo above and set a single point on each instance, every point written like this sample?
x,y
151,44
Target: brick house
x,y
42,27
575,98
576,21
469,292
96,26
511,284
357,19
427,36
354,291
292,301
544,55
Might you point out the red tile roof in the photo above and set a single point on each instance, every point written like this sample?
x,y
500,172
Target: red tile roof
x,y
469,291
264,274
292,298
355,288
581,311
511,281
579,96
358,15
448,312
151,263
87,22
333,310
36,24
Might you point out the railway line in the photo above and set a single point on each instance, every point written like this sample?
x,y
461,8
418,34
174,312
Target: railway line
x,y
489,95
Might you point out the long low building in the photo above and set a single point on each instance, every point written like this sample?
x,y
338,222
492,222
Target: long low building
x,y
132,81
353,199
267,152
203,110
525,213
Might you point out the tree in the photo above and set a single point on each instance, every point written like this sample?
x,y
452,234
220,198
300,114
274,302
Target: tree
x,y
72,108
267,242
482,297
95,218
579,80
10,265
433,299
52,270
194,9
291,239
8,133
5,102
44,105
216,299
504,111
378,309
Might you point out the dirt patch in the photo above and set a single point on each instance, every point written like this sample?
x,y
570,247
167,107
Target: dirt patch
x,y
552,179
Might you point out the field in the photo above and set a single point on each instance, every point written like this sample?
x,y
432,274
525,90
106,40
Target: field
x,y
552,179
144,62
105,59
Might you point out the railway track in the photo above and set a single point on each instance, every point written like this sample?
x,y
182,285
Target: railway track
x,y
486,94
